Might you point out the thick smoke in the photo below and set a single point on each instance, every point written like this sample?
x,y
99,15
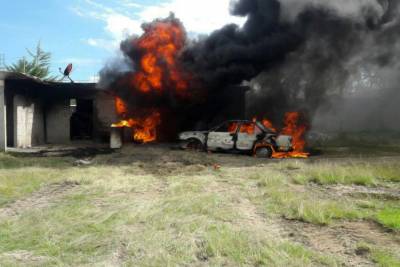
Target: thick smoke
x,y
233,54
301,55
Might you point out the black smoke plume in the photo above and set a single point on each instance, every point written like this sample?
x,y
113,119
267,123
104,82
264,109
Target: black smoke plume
x,y
301,55
298,54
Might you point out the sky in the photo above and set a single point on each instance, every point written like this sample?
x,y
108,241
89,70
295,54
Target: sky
x,y
87,33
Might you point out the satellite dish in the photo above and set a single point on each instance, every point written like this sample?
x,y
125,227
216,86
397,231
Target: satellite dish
x,y
68,69
67,72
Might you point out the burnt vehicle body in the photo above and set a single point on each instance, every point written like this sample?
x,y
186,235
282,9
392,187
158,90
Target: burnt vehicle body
x,y
238,135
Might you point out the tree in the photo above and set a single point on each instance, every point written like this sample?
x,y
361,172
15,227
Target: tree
x,y
38,67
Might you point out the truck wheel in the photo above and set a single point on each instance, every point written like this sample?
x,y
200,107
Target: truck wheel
x,y
192,144
264,152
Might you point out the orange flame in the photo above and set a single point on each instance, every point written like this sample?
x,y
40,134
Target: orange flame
x,y
297,131
120,106
268,124
293,128
247,128
143,130
160,43
232,127
157,70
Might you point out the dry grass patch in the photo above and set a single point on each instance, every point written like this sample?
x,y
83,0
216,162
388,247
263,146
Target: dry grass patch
x,y
367,174
280,198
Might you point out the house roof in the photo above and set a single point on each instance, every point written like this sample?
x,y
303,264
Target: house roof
x,y
27,83
7,75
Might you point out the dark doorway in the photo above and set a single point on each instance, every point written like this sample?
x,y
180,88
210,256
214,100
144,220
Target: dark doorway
x,y
81,119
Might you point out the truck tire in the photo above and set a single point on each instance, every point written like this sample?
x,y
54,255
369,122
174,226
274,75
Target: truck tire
x,y
192,144
263,152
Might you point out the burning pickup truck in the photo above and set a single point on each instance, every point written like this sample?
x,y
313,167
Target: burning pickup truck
x,y
238,135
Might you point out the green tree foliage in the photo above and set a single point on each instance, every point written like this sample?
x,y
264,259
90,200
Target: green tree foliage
x,y
38,66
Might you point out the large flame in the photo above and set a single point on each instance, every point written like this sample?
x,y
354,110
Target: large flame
x,y
297,131
157,71
160,45
144,130
294,128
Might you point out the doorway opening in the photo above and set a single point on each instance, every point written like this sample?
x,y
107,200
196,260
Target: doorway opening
x,y
81,119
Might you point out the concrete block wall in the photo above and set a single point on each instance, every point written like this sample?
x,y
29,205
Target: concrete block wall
x,y
105,115
58,118
28,122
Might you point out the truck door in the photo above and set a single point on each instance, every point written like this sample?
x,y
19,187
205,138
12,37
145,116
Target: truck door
x,y
247,136
222,137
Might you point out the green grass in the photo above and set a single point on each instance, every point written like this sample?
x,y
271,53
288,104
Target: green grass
x,y
332,175
10,161
354,173
74,231
382,257
385,259
242,248
279,198
303,202
389,217
388,172
20,176
15,184
132,215
185,225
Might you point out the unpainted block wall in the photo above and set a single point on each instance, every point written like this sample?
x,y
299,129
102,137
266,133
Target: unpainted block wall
x,y
105,115
28,122
58,117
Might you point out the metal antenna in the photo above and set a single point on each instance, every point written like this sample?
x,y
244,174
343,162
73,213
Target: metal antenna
x,y
66,72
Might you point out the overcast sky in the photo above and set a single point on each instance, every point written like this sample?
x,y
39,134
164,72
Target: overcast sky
x,y
87,32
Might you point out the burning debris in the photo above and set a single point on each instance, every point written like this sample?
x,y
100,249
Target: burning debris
x,y
144,130
157,81
157,76
295,128
252,137
297,55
